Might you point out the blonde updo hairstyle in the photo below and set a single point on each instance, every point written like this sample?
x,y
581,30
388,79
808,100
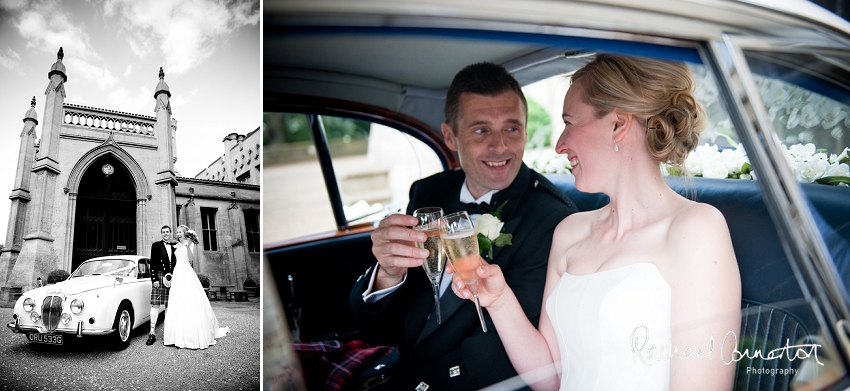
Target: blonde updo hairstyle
x,y
659,94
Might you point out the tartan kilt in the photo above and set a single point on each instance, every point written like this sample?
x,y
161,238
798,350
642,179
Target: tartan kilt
x,y
159,296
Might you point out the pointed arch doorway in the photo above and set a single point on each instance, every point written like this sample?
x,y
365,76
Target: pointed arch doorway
x,y
105,217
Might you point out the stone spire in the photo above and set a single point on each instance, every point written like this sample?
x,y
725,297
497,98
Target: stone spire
x,y
37,255
21,197
54,113
166,179
161,87
58,68
31,115
26,151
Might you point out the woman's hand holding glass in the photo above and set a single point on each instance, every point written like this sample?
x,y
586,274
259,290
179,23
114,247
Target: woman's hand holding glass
x,y
460,243
491,284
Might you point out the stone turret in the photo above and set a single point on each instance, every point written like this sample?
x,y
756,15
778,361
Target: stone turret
x,y
53,112
166,180
20,189
20,199
38,257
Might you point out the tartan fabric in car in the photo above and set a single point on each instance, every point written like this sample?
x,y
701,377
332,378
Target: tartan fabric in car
x,y
333,365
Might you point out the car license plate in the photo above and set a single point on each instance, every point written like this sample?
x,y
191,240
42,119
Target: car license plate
x,y
50,339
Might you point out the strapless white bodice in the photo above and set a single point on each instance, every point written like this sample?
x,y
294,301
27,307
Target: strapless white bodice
x,y
605,322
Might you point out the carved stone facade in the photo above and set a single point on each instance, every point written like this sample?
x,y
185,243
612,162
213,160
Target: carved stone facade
x,y
240,162
103,182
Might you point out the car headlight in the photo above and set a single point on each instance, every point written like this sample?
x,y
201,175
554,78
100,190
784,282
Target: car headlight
x,y
29,304
77,306
66,318
35,316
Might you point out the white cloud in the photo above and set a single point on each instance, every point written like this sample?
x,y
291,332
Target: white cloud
x,y
13,54
140,46
12,4
139,102
88,71
177,101
11,61
129,70
188,32
46,30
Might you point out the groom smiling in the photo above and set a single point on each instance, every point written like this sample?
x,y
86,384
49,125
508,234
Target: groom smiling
x,y
162,263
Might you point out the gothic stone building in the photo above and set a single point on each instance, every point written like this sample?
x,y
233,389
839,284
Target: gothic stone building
x,y
102,182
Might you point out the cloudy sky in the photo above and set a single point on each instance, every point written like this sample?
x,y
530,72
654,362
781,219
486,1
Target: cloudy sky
x,y
209,49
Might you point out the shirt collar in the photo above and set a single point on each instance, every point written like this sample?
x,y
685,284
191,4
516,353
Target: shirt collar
x,y
466,196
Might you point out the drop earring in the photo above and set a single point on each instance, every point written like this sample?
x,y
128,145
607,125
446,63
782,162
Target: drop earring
x,y
616,147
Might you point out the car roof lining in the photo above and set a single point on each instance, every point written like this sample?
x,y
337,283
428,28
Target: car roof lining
x,y
399,71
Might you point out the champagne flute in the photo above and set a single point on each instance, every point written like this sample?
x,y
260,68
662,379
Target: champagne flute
x,y
461,245
429,223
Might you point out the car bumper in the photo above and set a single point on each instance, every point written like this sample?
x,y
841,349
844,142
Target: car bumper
x,y
79,331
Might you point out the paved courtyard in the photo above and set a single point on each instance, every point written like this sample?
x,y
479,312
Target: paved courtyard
x,y
233,363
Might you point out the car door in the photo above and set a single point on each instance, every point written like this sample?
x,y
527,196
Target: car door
x,y
330,175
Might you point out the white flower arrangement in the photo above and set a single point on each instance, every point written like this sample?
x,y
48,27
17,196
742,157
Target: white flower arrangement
x,y
808,163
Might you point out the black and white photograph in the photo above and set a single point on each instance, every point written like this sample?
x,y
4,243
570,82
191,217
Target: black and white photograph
x,y
131,257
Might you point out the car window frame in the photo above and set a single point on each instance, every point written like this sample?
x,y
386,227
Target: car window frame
x,y
801,240
314,107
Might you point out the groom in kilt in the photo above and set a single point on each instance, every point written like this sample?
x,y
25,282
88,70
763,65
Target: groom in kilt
x,y
162,263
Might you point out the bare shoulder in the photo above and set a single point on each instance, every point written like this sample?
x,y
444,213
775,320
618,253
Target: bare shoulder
x,y
574,224
571,229
700,239
696,218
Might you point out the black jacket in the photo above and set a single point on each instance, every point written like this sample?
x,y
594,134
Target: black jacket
x,y
428,350
160,261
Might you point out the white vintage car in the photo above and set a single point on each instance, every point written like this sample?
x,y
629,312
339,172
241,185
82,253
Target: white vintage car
x,y
105,296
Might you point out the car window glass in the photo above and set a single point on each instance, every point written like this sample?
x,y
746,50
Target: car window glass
x,y
807,98
374,167
295,201
718,154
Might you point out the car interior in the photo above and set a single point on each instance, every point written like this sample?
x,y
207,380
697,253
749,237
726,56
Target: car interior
x,y
392,74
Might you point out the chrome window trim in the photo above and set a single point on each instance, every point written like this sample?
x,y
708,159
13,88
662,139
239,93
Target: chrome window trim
x,y
800,238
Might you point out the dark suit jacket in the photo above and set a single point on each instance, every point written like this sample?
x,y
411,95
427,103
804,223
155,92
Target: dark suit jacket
x,y
428,350
160,261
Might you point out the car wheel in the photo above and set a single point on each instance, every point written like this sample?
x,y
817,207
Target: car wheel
x,y
123,327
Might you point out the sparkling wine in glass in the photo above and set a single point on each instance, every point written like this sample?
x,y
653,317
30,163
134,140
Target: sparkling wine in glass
x,y
461,245
429,223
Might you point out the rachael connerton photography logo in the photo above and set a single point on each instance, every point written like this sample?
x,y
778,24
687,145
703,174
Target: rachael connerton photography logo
x,y
643,350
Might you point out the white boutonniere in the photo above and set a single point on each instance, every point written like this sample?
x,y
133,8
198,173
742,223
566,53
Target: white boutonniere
x,y
489,231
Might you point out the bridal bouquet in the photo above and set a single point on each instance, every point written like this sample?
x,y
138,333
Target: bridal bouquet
x,y
192,236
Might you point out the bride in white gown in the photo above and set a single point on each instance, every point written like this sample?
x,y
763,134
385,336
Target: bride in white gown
x,y
635,287
190,323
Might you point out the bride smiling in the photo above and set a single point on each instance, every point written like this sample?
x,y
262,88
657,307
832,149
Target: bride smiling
x,y
190,323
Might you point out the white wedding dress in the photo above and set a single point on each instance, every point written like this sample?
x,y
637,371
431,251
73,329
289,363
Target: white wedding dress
x,y
190,322
606,323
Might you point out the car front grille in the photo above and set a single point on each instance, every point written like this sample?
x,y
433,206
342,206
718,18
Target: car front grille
x,y
51,310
